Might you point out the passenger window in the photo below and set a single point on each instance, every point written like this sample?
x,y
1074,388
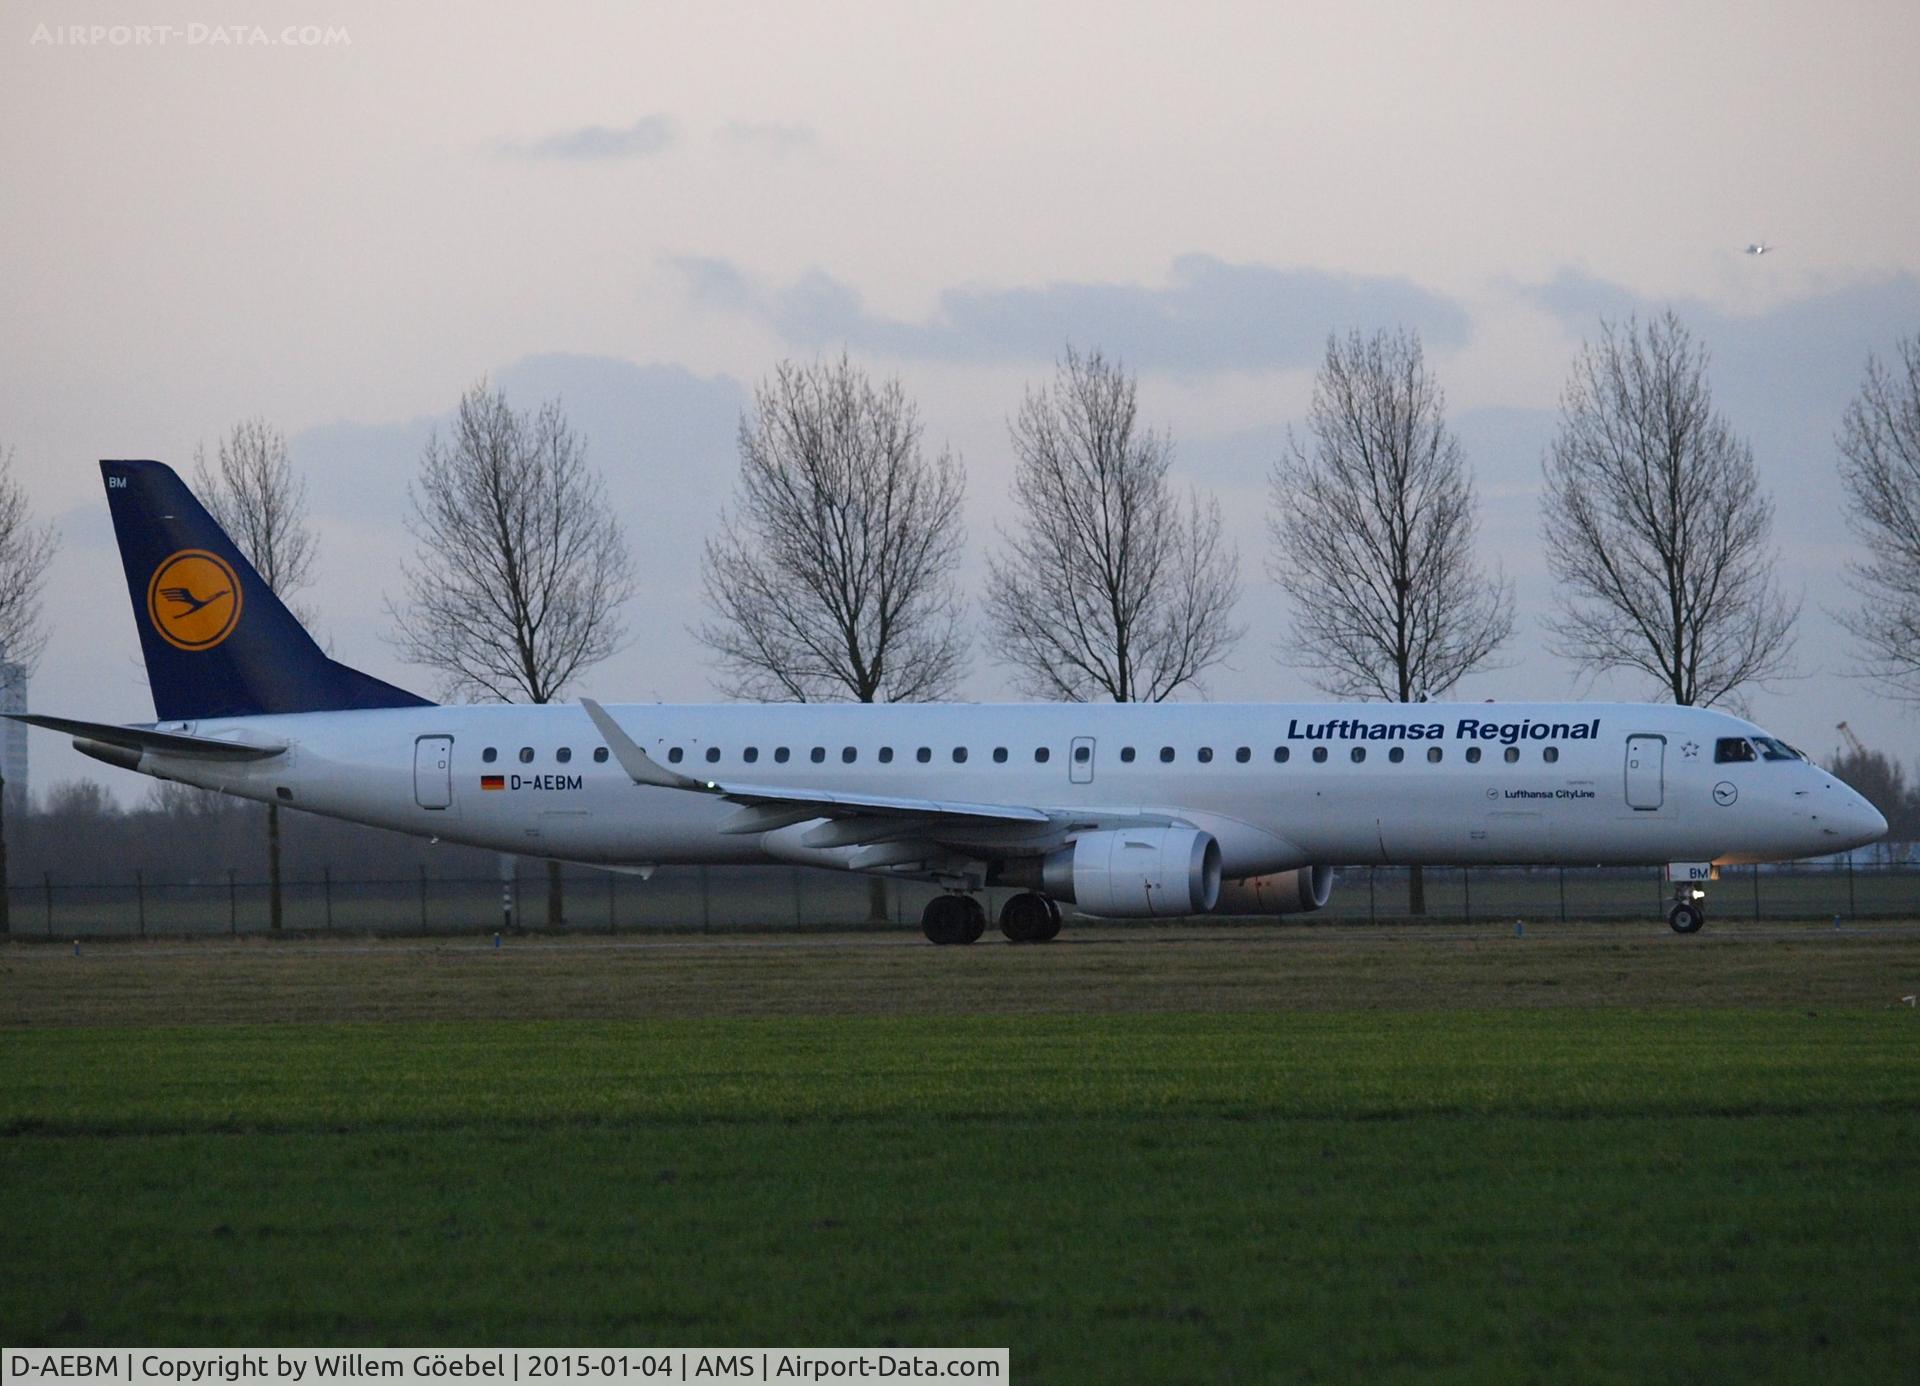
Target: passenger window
x,y
1357,754
564,754
848,755
490,755
1733,749
1282,754
1397,754
1244,754
1434,755
1166,755
817,754
673,755
1126,754
886,755
1550,754
999,755
780,754
1473,755
959,755
1041,755
1513,754
599,755
750,755
1204,755
924,754
1319,754
713,754
1082,754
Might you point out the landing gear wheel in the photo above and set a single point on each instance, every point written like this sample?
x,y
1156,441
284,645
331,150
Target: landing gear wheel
x,y
1052,931
976,920
1029,918
950,919
1686,918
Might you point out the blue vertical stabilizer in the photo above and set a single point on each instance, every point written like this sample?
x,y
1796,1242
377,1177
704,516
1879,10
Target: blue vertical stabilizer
x,y
217,641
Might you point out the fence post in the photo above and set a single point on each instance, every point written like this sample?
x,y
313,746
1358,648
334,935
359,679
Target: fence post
x,y
326,892
423,897
1852,911
1373,913
797,920
46,882
1563,895
613,923
233,905
1756,892
1466,888
706,902
140,898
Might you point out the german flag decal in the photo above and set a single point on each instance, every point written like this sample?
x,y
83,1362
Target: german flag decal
x,y
493,781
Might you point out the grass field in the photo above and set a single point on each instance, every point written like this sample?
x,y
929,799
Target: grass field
x,y
1205,1156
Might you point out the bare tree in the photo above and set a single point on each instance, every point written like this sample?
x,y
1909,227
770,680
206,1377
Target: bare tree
x,y
833,576
522,567
1373,530
1880,467
26,551
1656,526
1107,587
258,499
261,502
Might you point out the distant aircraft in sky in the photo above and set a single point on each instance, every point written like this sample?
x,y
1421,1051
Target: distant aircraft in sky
x,y
1128,810
1760,248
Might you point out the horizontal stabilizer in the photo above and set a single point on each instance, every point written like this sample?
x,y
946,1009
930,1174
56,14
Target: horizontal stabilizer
x,y
147,739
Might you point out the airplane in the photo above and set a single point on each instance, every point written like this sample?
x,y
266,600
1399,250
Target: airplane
x,y
1127,810
1760,248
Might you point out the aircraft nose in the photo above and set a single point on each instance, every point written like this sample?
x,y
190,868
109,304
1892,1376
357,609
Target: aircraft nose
x,y
1857,821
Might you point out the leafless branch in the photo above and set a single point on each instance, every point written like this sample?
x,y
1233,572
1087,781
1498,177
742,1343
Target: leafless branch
x,y
832,576
26,550
1373,527
257,498
1655,524
1880,468
1105,587
522,568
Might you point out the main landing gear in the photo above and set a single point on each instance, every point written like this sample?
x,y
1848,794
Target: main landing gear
x,y
1027,918
953,919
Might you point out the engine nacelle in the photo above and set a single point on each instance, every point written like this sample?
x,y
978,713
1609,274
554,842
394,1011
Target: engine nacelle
x,y
1285,892
1137,873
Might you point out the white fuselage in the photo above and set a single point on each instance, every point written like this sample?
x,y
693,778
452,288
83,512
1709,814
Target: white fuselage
x,y
1278,785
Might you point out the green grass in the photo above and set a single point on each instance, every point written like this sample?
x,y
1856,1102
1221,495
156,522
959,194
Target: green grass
x,y
1544,1195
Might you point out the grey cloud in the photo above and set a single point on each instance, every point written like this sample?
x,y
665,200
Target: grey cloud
x,y
1213,316
646,136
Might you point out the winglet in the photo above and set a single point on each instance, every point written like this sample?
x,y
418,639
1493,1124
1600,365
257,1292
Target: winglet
x,y
640,767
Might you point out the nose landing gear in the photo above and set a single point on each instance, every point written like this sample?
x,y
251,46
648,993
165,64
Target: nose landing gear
x,y
1688,914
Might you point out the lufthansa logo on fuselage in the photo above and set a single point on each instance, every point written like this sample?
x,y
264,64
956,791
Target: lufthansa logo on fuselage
x,y
193,599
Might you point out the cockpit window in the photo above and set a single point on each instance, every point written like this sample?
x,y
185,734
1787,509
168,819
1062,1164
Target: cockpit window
x,y
1729,749
1776,750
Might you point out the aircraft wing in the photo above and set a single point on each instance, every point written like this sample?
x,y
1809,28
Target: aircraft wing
x,y
870,817
138,739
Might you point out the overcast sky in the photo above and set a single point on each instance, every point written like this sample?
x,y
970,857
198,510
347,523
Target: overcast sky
x,y
641,208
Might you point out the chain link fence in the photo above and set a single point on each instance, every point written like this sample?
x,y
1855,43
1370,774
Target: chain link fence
x,y
715,899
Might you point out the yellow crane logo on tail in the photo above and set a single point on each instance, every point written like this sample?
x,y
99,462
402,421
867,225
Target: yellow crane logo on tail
x,y
193,599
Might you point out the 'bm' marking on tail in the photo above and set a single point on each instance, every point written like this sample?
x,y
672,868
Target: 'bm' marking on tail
x,y
189,621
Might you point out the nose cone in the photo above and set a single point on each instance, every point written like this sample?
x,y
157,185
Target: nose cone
x,y
1853,820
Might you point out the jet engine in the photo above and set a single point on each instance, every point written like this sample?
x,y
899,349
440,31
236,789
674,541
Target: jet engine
x,y
1137,873
1299,891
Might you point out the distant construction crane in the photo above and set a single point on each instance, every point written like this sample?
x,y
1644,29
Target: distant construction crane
x,y
1853,742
